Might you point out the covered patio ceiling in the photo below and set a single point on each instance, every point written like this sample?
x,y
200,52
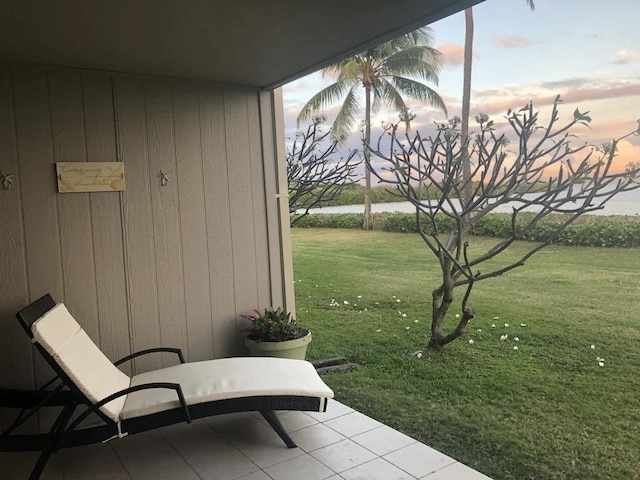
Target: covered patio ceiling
x,y
257,43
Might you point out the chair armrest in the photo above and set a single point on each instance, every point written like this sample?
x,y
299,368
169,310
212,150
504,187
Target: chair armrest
x,y
177,351
147,386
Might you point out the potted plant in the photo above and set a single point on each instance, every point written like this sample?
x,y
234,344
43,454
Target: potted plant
x,y
275,333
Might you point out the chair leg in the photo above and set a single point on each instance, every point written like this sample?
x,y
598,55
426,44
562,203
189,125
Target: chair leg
x,y
52,444
271,417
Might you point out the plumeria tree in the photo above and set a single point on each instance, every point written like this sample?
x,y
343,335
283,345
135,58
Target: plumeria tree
x,y
542,171
315,174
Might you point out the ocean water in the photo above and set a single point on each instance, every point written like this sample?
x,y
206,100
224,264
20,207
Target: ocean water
x,y
627,203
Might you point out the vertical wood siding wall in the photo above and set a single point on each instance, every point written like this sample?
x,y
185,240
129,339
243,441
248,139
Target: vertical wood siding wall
x,y
153,265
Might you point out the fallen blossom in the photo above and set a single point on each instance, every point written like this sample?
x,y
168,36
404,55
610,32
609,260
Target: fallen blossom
x,y
515,348
504,337
493,325
523,324
471,342
506,325
404,315
345,302
517,339
593,347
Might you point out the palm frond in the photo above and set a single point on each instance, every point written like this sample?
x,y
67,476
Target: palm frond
x,y
352,71
390,94
325,98
421,62
347,116
419,91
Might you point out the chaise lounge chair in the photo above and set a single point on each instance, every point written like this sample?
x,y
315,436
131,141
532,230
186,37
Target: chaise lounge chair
x,y
128,405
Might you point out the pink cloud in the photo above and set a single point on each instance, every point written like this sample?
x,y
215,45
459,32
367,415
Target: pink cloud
x,y
453,53
512,42
625,56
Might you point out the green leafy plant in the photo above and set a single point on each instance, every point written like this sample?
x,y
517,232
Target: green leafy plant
x,y
274,325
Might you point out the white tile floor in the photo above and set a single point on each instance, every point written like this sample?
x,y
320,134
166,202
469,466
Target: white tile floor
x,y
338,444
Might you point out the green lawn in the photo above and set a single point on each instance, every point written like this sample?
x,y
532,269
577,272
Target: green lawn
x,y
544,411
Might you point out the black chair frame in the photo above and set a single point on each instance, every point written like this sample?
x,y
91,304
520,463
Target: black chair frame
x,y
65,432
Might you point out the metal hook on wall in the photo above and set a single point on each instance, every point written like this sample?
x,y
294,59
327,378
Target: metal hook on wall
x,y
6,180
164,178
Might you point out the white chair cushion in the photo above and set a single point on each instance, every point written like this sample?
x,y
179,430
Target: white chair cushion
x,y
85,364
224,379
55,329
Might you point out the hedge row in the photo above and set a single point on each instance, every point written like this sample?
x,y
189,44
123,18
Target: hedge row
x,y
588,231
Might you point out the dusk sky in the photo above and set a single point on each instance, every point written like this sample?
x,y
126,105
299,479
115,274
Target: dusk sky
x,y
587,51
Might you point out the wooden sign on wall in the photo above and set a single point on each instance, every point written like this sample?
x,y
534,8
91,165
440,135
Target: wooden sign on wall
x,y
90,177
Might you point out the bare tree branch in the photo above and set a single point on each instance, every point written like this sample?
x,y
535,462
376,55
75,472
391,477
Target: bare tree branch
x,y
314,177
543,173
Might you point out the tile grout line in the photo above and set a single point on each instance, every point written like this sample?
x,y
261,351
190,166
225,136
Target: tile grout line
x,y
168,442
124,467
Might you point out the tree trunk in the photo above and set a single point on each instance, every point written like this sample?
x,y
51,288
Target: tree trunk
x,y
367,222
442,298
466,100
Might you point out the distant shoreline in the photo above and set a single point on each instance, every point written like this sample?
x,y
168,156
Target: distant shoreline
x,y
625,204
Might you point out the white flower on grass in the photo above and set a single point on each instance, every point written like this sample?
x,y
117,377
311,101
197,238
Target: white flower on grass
x,y
378,330
393,296
506,325
517,339
316,286
416,321
493,325
345,302
457,315
479,329
599,359
419,354
377,303
407,328
504,337
523,324
515,348
601,364
359,296
593,347
404,315
496,317
471,342
355,304
334,303
365,309
397,300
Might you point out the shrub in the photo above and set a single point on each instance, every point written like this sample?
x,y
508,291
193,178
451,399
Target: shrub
x,y
588,231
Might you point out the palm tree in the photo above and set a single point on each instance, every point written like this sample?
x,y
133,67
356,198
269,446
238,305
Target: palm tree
x,y
384,73
466,91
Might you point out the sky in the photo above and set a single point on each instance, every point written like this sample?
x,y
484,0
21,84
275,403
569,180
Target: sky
x,y
587,51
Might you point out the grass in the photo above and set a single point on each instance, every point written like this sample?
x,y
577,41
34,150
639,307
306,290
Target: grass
x,y
545,411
